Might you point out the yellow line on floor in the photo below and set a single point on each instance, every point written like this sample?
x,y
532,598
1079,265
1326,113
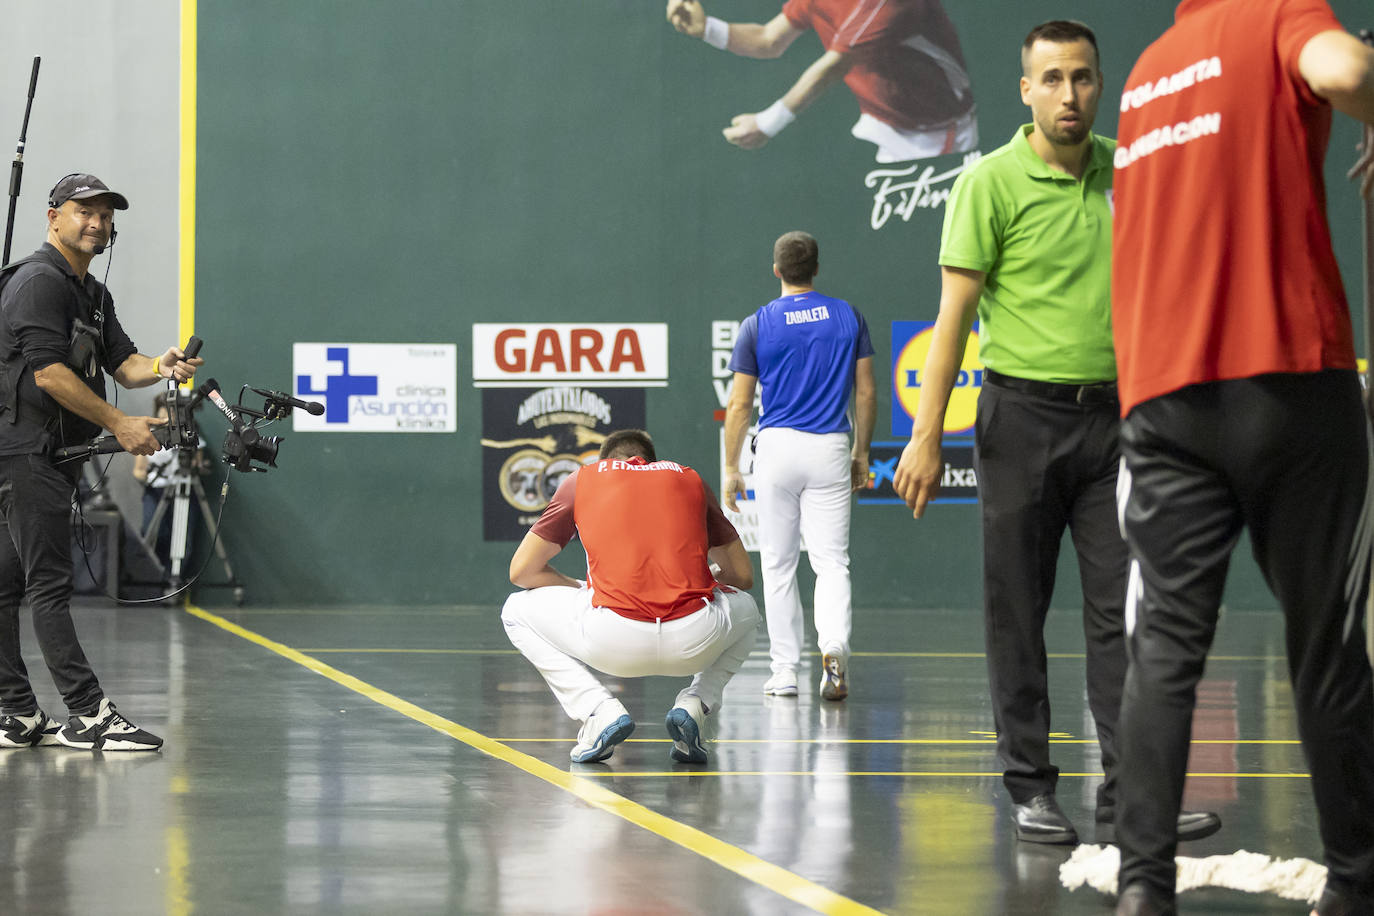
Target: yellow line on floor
x,y
386,612
380,650
319,651
925,741
746,865
970,774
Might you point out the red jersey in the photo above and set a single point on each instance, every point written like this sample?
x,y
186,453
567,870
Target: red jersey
x,y
646,528
911,73
1222,265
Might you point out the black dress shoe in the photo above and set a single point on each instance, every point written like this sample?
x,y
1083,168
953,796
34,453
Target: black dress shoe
x,y
1139,900
1041,821
1192,825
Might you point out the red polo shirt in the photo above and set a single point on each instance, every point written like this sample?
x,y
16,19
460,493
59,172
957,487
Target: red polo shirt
x,y
1222,265
646,528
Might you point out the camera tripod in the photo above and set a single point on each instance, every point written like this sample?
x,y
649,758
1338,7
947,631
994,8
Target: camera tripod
x,y
183,483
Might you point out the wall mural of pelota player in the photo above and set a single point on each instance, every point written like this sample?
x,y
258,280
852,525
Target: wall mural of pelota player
x,y
900,58
534,438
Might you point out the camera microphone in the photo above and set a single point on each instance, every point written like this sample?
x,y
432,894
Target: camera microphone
x,y
314,408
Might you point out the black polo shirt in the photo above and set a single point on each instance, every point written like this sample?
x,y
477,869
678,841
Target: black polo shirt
x,y
39,302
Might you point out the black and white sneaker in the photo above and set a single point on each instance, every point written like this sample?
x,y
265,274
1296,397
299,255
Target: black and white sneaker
x,y
37,730
107,730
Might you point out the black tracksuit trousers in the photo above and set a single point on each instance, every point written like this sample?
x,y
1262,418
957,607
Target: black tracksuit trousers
x,y
1288,457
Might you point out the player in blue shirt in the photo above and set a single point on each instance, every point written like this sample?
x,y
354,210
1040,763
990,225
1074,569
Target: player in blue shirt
x,y
812,354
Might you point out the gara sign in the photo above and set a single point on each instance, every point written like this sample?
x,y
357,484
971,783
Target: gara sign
x,y
523,355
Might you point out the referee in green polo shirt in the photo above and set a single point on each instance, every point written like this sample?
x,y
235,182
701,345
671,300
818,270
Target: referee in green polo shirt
x,y
1027,248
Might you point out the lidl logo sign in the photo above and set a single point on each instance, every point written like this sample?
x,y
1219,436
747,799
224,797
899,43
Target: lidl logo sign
x,y
910,347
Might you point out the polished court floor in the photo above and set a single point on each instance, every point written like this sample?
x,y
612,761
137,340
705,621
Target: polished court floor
x,y
393,760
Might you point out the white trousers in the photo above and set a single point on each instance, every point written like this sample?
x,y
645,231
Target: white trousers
x,y
801,485
562,633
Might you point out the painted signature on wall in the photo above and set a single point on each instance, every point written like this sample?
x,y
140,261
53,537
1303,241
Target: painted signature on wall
x,y
902,191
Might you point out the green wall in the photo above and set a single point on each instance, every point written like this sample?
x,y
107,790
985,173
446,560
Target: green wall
x,y
396,172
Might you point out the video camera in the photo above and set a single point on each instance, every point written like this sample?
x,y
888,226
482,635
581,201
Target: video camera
x,y
243,443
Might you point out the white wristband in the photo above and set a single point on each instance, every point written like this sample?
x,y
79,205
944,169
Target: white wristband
x,y
717,33
774,118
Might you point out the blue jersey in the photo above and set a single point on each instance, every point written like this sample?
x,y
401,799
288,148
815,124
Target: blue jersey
x,y
803,349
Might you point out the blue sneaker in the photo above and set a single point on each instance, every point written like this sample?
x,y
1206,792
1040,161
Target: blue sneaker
x,y
36,730
607,727
684,723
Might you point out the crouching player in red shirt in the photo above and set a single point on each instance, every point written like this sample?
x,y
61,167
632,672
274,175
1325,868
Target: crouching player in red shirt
x,y
664,595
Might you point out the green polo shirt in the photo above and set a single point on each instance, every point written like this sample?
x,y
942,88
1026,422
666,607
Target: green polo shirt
x,y
1044,239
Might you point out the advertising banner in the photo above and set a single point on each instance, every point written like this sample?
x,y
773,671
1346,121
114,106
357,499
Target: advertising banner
x,y
958,483
910,346
532,438
528,355
377,388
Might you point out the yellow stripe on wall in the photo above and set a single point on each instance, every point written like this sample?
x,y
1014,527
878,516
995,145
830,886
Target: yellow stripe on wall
x,y
186,290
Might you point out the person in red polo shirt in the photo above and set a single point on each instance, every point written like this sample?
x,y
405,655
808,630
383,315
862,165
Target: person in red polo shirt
x,y
664,594
1242,409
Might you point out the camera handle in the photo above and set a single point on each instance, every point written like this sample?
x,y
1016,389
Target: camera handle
x,y
177,432
105,445
169,434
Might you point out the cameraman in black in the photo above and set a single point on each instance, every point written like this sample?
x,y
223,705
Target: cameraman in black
x,y
59,335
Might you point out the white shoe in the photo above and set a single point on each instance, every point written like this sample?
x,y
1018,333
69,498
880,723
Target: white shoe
x,y
833,685
607,727
685,723
782,684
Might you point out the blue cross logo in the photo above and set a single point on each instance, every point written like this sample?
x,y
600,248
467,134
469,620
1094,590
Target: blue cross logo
x,y
338,388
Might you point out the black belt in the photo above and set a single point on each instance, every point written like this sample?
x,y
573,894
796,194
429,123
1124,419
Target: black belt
x,y
1092,393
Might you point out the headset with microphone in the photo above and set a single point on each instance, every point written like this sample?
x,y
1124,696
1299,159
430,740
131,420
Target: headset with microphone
x,y
101,249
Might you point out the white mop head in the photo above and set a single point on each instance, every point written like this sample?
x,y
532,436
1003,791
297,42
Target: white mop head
x,y
1292,879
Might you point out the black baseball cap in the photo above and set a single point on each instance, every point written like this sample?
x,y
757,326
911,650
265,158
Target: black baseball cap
x,y
79,186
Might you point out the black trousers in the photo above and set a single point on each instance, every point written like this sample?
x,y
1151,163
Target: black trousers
x,y
1287,456
1044,465
36,559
